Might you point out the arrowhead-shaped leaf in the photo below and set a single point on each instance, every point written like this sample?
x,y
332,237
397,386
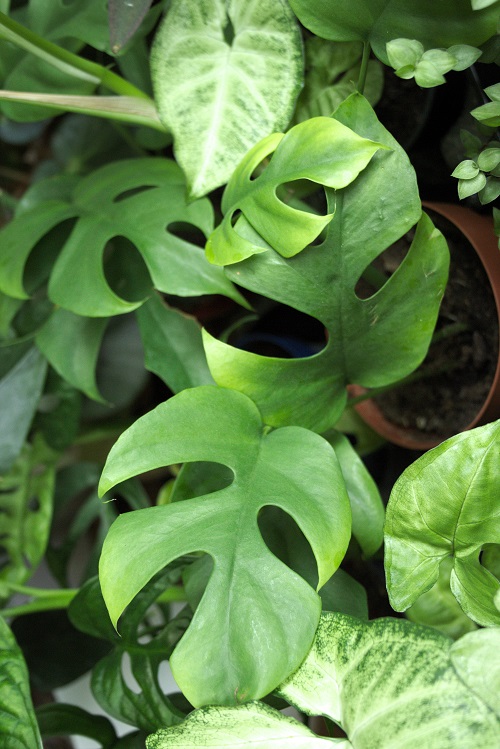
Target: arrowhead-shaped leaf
x,y
372,342
321,150
379,21
105,209
393,683
226,73
18,726
245,636
446,504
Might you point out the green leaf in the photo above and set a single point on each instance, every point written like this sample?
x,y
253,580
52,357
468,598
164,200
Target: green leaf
x,y
253,725
464,55
226,73
489,159
20,390
403,52
438,607
26,494
124,20
58,719
377,21
445,505
467,169
480,4
71,344
321,150
107,211
173,347
490,191
18,724
488,114
391,678
372,341
58,414
224,426
476,658
468,187
432,67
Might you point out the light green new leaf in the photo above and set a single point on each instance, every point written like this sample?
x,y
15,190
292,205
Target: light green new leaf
x,y
71,344
118,200
252,725
18,726
225,73
378,21
20,391
173,347
393,683
26,497
446,504
476,659
245,636
374,341
321,150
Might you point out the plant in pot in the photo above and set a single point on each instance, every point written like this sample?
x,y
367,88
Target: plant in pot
x,y
224,485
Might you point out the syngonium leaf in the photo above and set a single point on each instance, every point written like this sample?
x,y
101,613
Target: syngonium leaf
x,y
321,150
379,21
18,725
372,342
105,212
245,636
26,494
446,505
226,73
387,683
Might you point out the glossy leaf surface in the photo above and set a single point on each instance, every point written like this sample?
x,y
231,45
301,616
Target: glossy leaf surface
x,y
18,726
115,201
321,150
125,17
253,725
378,21
446,505
26,494
226,74
374,341
221,659
391,678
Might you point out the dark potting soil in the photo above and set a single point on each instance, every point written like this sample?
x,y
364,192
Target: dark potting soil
x,y
444,404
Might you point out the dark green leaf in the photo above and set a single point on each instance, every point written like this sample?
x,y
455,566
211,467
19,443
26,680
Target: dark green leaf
x,y
125,17
18,725
224,426
58,417
57,719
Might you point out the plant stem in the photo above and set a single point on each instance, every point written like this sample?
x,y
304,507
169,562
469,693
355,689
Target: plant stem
x,y
64,60
364,68
45,600
175,593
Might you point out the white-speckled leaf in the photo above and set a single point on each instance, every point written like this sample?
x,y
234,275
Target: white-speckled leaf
x,y
253,724
391,684
226,73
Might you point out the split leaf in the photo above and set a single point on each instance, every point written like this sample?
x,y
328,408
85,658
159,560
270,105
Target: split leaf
x,y
221,659
321,150
371,342
446,505
226,73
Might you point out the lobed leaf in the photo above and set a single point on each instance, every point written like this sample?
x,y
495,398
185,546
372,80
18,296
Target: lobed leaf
x,y
321,150
235,648
372,342
446,505
225,73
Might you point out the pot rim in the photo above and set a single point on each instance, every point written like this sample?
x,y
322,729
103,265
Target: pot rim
x,y
478,230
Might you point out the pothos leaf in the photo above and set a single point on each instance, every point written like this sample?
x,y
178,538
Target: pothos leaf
x,y
321,150
374,341
106,210
225,73
446,505
18,724
248,583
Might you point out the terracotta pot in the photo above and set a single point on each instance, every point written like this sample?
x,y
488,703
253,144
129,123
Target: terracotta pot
x,y
478,230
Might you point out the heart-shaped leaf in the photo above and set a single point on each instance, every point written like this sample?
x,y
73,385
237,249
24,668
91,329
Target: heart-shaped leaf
x,y
321,150
245,636
446,504
379,21
225,73
18,725
106,210
372,342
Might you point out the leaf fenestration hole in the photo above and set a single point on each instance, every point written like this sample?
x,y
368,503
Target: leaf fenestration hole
x,y
125,270
377,273
285,540
127,675
187,232
261,166
33,504
133,191
44,255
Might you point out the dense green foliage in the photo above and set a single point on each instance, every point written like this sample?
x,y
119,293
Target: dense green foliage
x,y
153,461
